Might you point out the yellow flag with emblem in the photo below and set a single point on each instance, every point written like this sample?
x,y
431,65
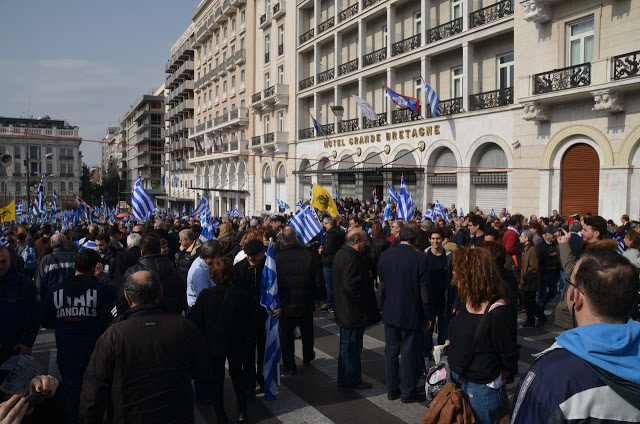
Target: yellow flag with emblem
x,y
322,200
8,213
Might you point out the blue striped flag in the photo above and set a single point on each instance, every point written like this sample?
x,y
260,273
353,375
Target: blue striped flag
x,y
493,214
96,218
306,224
3,241
432,99
405,209
89,244
103,205
184,209
620,241
54,203
311,191
336,194
207,227
174,181
282,204
39,205
438,210
460,213
387,212
19,210
270,300
428,214
393,195
142,203
316,126
375,198
203,206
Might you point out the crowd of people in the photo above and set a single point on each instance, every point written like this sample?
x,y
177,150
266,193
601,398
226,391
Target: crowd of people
x,y
147,316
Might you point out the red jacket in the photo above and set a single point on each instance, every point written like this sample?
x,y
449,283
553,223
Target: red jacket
x,y
509,239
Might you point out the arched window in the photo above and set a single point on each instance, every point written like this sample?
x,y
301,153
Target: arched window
x,y
70,185
281,182
63,187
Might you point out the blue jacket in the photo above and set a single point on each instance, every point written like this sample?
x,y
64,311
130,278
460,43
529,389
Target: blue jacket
x,y
590,375
19,312
53,268
197,280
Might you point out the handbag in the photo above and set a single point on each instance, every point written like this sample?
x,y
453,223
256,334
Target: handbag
x,y
450,405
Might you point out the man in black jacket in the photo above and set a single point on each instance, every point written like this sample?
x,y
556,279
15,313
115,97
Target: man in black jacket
x,y
174,287
79,309
142,366
300,284
355,306
333,241
127,258
107,254
248,276
19,310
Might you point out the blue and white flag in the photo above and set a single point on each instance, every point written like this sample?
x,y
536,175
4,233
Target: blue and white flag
x,y
306,224
493,214
235,212
336,194
405,208
54,204
428,214
3,241
89,244
393,195
174,181
19,210
142,203
103,205
203,205
460,213
432,99
402,101
184,209
621,246
39,205
96,218
282,205
387,212
270,300
438,211
311,191
206,225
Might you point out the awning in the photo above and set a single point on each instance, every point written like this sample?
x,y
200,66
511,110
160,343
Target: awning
x,y
221,190
363,170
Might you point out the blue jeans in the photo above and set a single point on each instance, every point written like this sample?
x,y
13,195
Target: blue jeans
x,y
71,371
349,366
563,275
548,288
438,313
406,342
328,282
484,400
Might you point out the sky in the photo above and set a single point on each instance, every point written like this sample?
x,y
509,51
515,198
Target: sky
x,y
85,61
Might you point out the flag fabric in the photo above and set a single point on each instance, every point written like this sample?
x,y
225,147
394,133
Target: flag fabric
x,y
306,224
3,241
375,198
433,99
19,210
96,218
282,204
402,101
203,205
620,241
321,199
493,214
316,126
387,212
393,195
8,213
197,145
460,213
366,108
234,212
438,211
184,209
207,142
39,205
174,181
54,203
336,194
428,214
89,244
164,181
310,191
405,210
206,232
142,203
81,202
270,300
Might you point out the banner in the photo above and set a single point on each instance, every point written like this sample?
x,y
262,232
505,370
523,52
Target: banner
x,y
321,199
8,213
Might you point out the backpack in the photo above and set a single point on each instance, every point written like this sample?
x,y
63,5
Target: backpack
x,y
29,257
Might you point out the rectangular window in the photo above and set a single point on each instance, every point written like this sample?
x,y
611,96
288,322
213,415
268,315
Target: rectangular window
x,y
242,73
266,124
49,150
281,74
242,103
580,42
417,23
280,120
456,9
281,40
267,80
267,7
49,168
384,36
224,87
456,82
243,16
16,152
33,152
17,167
417,91
505,69
233,81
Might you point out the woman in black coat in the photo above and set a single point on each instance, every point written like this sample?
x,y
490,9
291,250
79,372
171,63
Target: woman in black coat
x,y
220,313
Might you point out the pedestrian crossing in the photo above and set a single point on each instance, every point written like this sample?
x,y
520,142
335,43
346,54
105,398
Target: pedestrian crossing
x,y
312,396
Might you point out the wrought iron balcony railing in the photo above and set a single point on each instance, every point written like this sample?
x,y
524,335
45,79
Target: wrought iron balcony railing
x,y
404,115
491,13
406,45
263,19
374,57
491,99
255,141
444,31
350,11
276,8
269,138
562,79
329,23
327,129
327,75
451,106
306,133
372,123
270,91
350,66
368,3
306,36
349,125
256,97
626,65
306,83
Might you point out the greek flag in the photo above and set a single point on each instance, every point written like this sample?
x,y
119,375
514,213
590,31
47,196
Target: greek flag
x,y
174,181
387,212
375,198
3,241
184,209
405,203
96,218
203,206
19,209
336,195
311,191
103,205
207,142
493,214
39,205
621,246
271,302
234,212
306,224
428,214
282,204
438,211
207,228
460,213
393,195
433,99
197,145
90,244
142,203
54,203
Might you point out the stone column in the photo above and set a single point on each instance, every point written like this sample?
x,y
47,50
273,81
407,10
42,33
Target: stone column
x,y
464,190
614,191
546,192
391,80
425,71
362,44
467,72
391,33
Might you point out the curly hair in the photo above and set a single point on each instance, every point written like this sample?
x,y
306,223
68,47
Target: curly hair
x,y
476,276
221,271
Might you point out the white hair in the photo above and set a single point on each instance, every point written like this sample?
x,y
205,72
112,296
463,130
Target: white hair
x,y
133,240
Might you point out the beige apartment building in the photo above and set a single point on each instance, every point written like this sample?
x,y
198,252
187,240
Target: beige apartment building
x,y
109,150
179,119
223,43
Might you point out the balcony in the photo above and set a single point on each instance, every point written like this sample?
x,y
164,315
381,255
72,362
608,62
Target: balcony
x,y
274,97
490,13
327,129
491,99
216,72
369,3
306,83
404,115
184,71
406,45
230,63
306,133
327,75
562,79
306,36
240,57
219,17
450,107
242,27
278,9
348,67
256,141
326,25
347,13
374,57
241,87
350,125
373,123
226,8
275,142
626,65
238,3
265,20
444,31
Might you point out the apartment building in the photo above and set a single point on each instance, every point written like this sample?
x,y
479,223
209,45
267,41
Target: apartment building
x,y
109,150
179,118
225,36
579,125
142,145
39,145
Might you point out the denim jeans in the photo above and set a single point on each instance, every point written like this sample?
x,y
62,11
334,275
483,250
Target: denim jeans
x,y
349,366
405,342
438,313
563,275
548,288
484,400
72,371
328,282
